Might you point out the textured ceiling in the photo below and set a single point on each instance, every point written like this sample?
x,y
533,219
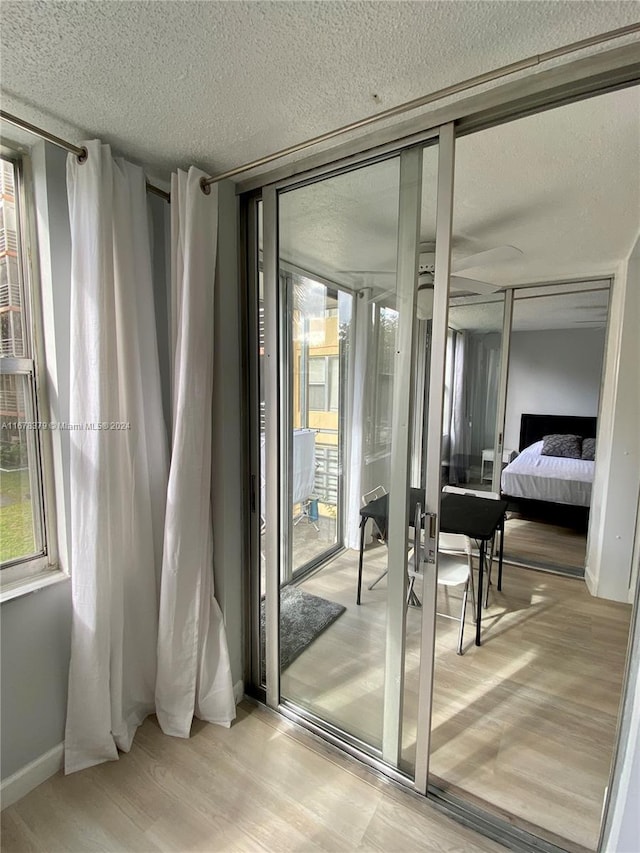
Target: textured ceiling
x,y
573,309
221,83
563,186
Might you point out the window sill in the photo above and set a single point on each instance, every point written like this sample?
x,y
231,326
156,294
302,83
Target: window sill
x,y
23,586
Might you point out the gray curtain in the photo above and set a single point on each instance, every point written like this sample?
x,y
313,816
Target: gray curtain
x,y
460,427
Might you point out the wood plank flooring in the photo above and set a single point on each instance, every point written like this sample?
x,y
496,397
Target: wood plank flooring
x,y
525,723
539,543
258,786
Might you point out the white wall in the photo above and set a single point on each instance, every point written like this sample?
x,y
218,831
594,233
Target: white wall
x,y
608,569
553,372
36,643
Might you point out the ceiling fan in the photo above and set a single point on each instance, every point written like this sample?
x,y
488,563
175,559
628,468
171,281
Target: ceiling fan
x,y
458,282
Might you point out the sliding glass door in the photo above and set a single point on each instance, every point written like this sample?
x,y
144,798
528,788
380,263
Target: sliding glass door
x,y
346,363
385,361
339,676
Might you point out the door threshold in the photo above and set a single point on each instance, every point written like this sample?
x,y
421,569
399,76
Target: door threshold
x,y
475,814
550,568
469,805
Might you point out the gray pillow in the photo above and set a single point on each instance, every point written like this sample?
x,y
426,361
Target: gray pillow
x,y
567,446
589,449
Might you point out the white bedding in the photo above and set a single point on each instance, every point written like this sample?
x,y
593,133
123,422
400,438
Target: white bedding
x,y
548,478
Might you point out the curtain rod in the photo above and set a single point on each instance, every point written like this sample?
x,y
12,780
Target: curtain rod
x,y
478,80
440,94
79,151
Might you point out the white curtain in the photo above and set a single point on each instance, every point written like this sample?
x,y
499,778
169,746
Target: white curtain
x,y
118,475
361,327
194,676
483,374
460,433
491,393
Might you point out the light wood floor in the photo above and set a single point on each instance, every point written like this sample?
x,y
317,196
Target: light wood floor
x,y
541,544
258,786
526,722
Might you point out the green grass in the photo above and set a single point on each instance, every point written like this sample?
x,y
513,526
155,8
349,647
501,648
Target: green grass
x,y
16,519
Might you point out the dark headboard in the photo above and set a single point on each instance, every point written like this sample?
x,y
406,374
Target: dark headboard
x,y
535,427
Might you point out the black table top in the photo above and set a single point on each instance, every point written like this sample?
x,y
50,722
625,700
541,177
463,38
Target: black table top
x,y
477,518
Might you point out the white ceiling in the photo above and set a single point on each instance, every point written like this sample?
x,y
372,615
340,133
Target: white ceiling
x,y
221,83
562,186
218,84
571,309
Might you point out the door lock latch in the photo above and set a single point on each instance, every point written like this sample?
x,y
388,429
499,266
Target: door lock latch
x,y
431,544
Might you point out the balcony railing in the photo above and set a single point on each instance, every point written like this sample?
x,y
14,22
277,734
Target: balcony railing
x,y
8,242
12,348
10,294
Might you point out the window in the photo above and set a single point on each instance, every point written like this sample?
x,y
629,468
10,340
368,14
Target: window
x,y
24,541
317,384
324,383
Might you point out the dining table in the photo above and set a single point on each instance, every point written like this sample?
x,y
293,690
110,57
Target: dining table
x,y
476,517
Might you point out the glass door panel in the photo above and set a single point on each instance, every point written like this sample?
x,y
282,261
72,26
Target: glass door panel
x,y
319,368
513,719
338,259
348,266
471,403
351,345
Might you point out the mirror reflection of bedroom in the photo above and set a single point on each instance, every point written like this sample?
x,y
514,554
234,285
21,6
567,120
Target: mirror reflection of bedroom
x,y
555,358
529,726
523,725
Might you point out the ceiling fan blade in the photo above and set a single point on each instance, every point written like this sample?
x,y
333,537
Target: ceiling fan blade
x,y
470,285
499,255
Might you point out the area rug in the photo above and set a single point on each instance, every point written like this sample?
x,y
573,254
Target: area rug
x,y
303,617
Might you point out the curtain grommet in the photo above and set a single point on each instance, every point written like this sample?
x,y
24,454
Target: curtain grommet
x,y
205,186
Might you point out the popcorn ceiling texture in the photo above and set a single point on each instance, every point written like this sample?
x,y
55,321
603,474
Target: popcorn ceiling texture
x,y
221,83
562,185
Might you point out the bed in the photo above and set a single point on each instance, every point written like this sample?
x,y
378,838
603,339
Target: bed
x,y
550,479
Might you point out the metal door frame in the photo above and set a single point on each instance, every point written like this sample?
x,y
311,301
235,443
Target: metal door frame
x,y
276,366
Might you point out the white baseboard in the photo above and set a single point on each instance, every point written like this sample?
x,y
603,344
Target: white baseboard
x,y
590,580
238,691
31,775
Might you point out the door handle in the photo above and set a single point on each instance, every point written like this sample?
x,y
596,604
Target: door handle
x,y
417,533
432,537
